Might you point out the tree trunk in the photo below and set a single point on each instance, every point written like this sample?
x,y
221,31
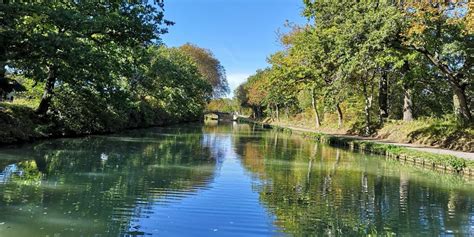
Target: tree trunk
x,y
272,116
367,116
407,103
48,92
278,112
3,80
407,88
315,109
367,108
461,109
383,97
460,101
3,71
339,116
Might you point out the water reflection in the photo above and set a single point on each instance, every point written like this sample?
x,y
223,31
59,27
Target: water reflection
x,y
221,179
315,189
98,185
229,206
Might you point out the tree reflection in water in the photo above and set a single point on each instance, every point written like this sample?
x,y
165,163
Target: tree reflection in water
x,y
98,184
316,189
269,182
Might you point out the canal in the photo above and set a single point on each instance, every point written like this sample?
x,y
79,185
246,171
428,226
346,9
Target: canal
x,y
221,180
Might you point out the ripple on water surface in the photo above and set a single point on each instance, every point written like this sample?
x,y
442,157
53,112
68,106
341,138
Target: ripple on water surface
x,y
224,180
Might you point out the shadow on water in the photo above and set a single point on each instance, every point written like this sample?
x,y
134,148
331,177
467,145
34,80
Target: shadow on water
x,y
224,179
97,185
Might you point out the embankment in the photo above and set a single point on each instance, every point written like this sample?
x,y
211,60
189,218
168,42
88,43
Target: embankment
x,y
20,124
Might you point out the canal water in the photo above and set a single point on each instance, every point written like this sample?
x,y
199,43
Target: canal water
x,y
221,180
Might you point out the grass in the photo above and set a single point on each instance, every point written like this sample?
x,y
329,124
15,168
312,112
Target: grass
x,y
439,132
33,104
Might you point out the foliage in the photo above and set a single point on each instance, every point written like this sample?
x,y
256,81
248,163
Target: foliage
x,y
223,105
176,83
368,63
440,32
100,67
76,43
209,67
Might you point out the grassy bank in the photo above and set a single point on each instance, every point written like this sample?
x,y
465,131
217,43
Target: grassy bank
x,y
429,160
437,132
19,124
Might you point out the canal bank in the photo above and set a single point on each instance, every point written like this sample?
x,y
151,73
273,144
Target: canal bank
x,y
427,157
20,124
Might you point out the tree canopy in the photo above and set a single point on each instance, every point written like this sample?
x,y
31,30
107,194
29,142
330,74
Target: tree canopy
x,y
209,67
373,61
102,66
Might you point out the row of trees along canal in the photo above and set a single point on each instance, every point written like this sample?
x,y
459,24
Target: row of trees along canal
x,y
98,67
415,59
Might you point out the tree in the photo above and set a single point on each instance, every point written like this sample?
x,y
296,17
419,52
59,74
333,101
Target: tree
x,y
209,67
440,31
57,41
173,82
380,59
257,91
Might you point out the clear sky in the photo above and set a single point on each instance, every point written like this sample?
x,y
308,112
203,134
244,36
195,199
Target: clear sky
x,y
240,33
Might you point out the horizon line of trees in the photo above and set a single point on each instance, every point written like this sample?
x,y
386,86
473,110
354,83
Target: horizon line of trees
x,y
372,61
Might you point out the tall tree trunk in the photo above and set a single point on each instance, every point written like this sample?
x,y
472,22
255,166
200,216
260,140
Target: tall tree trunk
x,y
367,116
272,116
315,109
383,97
408,91
3,71
460,103
407,103
367,108
278,112
48,92
339,115
3,81
456,79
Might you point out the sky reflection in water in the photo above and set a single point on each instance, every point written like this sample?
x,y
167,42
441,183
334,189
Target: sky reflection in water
x,y
223,180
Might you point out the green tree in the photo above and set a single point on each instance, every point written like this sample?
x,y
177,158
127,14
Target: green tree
x,y
210,67
56,42
441,32
173,82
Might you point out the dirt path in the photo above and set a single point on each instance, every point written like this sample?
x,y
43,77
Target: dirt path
x,y
435,150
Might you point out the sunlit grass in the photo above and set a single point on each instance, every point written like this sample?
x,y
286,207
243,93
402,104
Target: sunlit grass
x,y
443,132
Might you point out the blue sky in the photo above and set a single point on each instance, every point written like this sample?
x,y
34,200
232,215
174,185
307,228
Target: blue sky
x,y
240,33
